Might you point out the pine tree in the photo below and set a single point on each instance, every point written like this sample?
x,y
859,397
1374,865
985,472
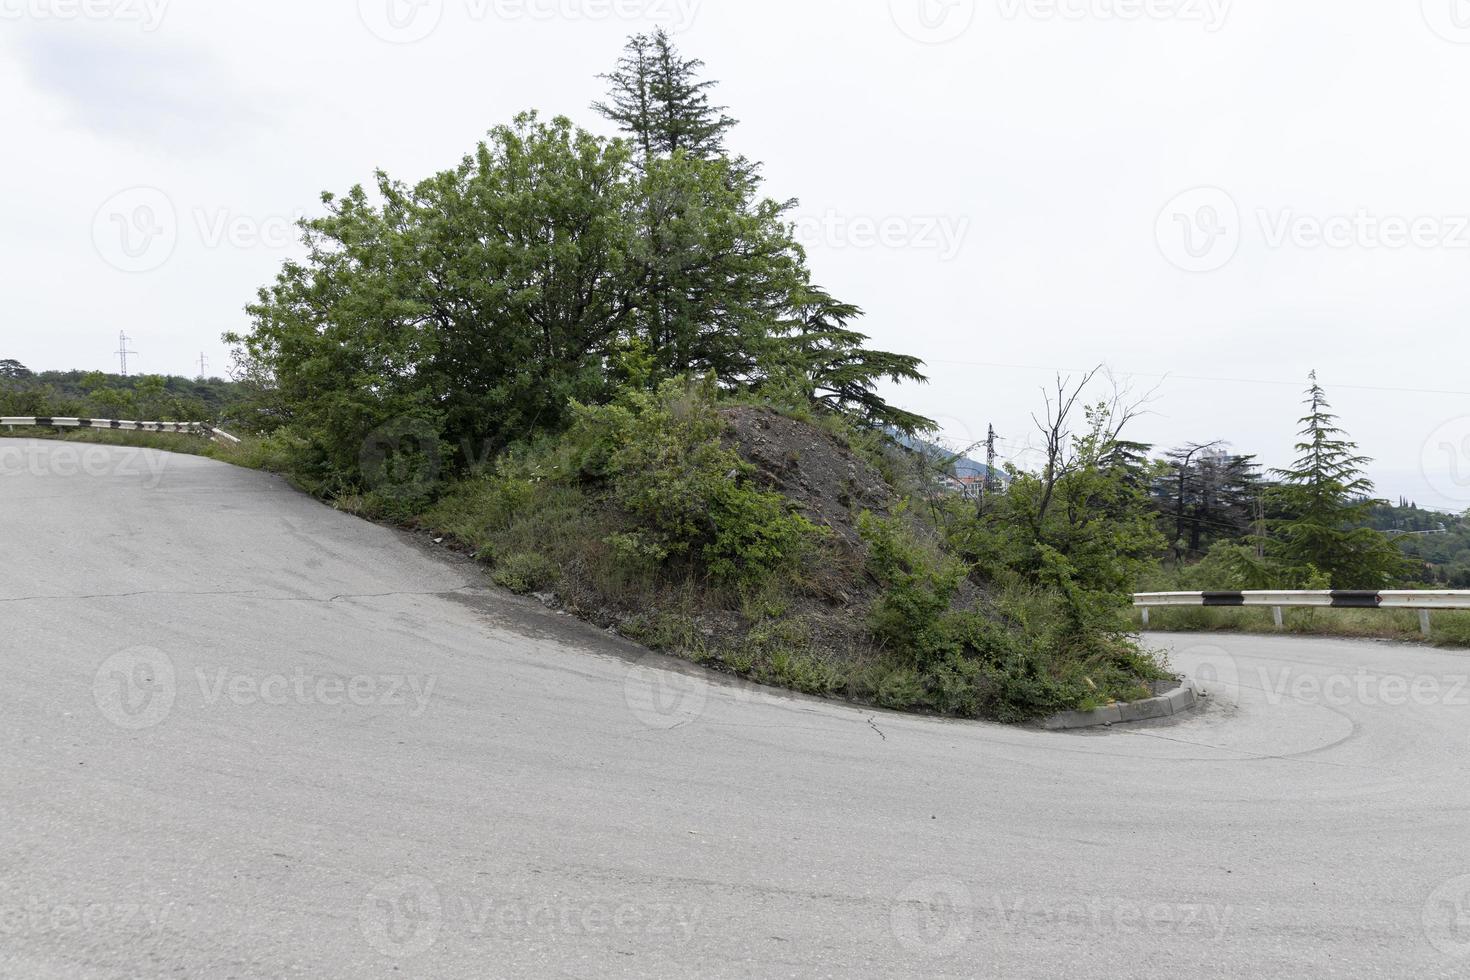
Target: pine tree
x,y
632,94
1205,494
659,101
837,371
1326,501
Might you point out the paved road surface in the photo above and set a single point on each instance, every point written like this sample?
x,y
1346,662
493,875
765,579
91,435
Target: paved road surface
x,y
245,735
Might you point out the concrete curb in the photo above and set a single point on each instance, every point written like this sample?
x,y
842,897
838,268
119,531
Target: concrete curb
x,y
1175,700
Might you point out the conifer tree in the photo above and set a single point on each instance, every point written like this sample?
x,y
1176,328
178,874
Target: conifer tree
x,y
1325,500
659,100
836,369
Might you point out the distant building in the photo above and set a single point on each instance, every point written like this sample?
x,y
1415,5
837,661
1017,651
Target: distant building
x,y
961,474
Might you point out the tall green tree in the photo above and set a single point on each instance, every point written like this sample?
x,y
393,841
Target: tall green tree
x,y
1205,494
724,283
715,266
1326,502
551,266
659,100
480,301
835,368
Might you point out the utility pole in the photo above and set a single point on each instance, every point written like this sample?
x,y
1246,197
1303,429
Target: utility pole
x,y
122,351
988,484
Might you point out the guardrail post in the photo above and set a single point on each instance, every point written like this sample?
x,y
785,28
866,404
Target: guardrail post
x,y
1279,615
1145,615
1424,626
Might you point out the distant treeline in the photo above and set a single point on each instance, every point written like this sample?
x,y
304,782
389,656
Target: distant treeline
x,y
1317,524
93,394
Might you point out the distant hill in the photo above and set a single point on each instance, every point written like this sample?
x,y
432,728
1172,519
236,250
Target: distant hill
x,y
961,467
95,394
1439,541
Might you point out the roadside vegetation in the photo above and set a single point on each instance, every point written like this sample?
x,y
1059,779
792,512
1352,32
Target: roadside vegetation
x,y
1450,628
603,367
94,394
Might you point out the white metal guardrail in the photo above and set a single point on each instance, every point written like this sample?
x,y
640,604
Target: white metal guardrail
x,y
183,428
1424,601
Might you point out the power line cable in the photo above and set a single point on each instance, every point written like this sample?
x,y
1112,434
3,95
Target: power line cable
x,y
1195,377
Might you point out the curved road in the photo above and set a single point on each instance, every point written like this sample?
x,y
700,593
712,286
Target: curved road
x,y
246,735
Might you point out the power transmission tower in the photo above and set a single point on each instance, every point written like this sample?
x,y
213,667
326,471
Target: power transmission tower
x,y
988,483
122,351
990,486
203,367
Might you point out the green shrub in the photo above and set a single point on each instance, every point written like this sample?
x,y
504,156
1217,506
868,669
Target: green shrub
x,y
912,617
526,571
660,455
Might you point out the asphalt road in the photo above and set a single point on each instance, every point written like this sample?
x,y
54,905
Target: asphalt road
x,y
245,735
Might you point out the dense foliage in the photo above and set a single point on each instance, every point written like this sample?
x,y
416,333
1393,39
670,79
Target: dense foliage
x,y
93,394
552,267
1315,526
538,353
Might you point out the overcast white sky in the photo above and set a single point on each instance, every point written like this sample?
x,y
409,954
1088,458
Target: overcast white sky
x,y
1227,193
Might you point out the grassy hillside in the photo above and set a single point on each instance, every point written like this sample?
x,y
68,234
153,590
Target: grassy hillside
x,y
790,548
